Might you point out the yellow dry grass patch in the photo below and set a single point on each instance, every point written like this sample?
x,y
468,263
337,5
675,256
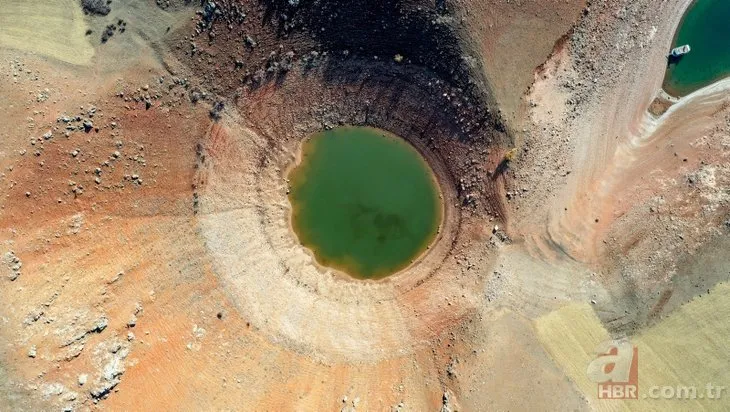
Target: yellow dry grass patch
x,y
53,28
691,347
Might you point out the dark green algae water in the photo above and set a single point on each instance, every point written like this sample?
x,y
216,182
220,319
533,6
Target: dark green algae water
x,y
706,28
364,201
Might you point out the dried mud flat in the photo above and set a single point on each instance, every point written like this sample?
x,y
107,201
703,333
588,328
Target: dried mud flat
x,y
147,260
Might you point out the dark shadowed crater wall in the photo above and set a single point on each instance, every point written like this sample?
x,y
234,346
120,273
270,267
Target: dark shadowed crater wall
x,y
398,65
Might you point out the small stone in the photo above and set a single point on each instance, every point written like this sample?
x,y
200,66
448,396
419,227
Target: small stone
x,y
83,378
27,194
100,324
32,352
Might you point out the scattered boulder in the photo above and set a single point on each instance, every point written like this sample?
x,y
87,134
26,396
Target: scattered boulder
x,y
13,263
96,7
111,354
215,112
447,402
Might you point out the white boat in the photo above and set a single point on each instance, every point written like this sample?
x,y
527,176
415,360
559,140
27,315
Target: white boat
x,y
681,50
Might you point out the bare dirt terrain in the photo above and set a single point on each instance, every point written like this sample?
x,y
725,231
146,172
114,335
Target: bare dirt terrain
x,y
147,260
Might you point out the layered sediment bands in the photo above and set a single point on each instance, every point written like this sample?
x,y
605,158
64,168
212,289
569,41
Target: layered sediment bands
x,y
286,79
403,102
341,64
245,220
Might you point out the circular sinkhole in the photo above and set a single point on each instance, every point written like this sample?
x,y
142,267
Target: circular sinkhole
x,y
364,201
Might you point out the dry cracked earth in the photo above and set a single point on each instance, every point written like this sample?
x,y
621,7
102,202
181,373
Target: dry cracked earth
x,y
147,260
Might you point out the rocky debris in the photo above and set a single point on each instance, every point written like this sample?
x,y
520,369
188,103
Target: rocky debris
x,y
81,122
110,355
227,12
97,327
134,178
13,263
148,95
451,368
96,7
115,278
351,406
400,407
132,322
34,316
53,389
447,402
32,352
195,96
163,4
74,351
43,96
83,378
120,26
198,335
249,41
499,236
76,189
74,226
198,332
215,112
196,203
626,27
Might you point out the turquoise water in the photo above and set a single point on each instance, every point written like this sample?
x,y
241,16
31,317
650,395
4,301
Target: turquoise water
x,y
364,201
706,28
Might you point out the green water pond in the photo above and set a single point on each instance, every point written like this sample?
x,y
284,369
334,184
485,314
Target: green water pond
x,y
706,28
364,201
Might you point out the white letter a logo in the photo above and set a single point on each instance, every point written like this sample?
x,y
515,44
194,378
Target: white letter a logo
x,y
613,363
